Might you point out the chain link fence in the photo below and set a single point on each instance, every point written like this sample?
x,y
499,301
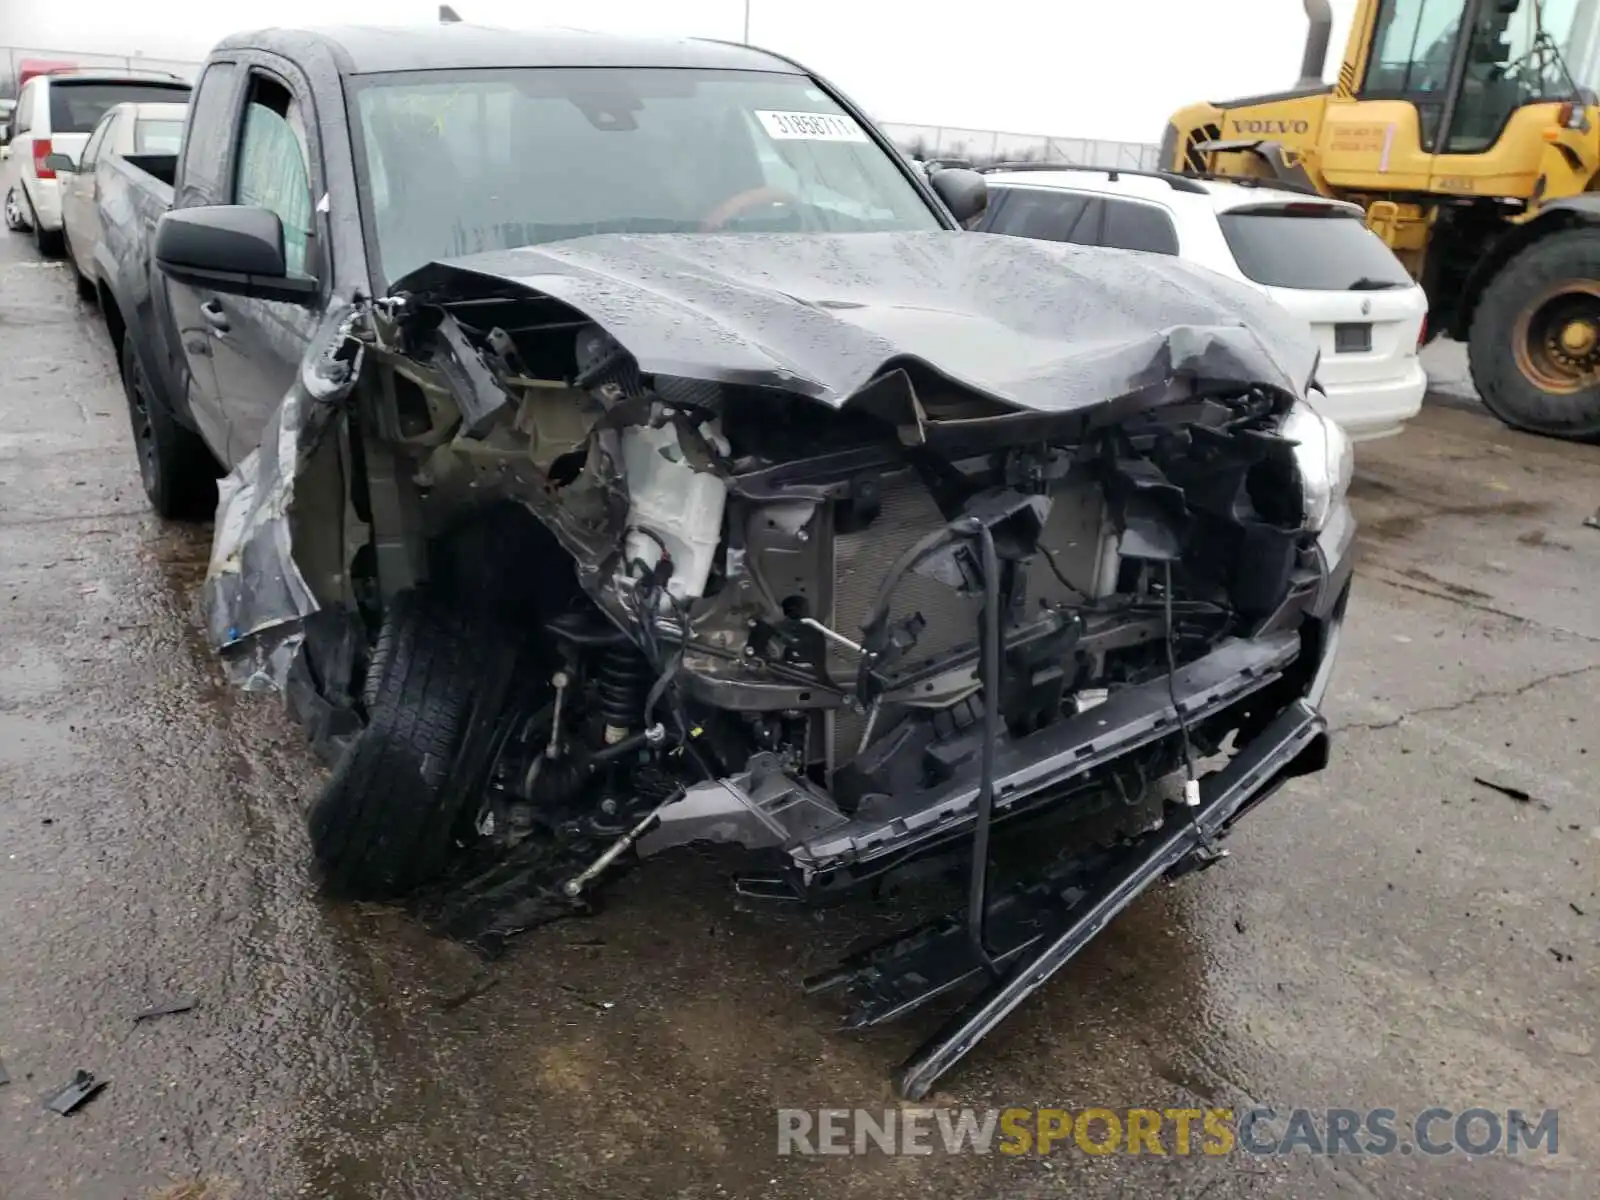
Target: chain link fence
x,y
977,146
980,147
15,59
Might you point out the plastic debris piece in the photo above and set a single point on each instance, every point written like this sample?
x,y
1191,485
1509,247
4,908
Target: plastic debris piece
x,y
83,1088
172,1008
473,990
1505,789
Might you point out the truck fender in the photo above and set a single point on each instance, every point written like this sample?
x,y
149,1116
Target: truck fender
x,y
1562,213
1585,206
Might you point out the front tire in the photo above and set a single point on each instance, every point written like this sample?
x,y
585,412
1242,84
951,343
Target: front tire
x,y
392,816
1534,344
177,470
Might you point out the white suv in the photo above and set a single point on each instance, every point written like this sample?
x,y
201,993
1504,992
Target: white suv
x,y
1312,255
55,114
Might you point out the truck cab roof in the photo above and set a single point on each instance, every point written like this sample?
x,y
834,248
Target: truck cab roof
x,y
367,50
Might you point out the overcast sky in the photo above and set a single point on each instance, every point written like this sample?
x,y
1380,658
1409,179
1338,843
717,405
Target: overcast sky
x,y
1075,68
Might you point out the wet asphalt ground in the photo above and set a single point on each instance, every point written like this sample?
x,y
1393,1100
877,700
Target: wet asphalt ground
x,y
1386,934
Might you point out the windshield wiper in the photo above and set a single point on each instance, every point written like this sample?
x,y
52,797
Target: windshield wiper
x,y
1368,284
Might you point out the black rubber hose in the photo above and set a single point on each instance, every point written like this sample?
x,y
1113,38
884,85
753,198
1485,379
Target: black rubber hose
x,y
879,612
978,887
897,572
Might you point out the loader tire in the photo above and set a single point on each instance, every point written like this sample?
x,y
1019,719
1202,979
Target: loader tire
x,y
391,817
1534,344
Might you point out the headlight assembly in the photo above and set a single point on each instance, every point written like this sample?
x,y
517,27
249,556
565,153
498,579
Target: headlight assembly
x,y
1325,458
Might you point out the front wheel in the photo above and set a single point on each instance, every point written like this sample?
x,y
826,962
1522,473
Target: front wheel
x,y
1534,345
399,806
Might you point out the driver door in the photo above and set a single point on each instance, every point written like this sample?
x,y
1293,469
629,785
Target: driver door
x,y
202,179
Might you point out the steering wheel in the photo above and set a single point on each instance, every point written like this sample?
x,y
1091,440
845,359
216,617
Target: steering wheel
x,y
743,202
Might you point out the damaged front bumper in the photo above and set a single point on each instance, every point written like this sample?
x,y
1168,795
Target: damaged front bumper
x,y
765,807
1285,667
1035,930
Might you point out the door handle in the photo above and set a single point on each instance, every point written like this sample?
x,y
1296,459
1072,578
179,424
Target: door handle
x,y
215,317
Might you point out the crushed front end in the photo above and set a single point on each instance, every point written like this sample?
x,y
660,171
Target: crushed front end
x,y
864,610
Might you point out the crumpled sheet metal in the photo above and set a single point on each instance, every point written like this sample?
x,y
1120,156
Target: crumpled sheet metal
x,y
1039,325
256,598
1036,325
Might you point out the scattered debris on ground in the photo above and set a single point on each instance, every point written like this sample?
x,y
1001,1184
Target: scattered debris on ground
x,y
83,1088
170,1009
581,998
1505,789
473,990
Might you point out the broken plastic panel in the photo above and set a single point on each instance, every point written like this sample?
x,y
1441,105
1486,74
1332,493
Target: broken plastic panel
x,y
256,596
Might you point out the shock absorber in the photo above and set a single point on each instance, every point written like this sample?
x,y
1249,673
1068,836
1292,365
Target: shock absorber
x,y
622,679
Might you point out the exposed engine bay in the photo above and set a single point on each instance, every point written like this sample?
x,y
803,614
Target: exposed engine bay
x,y
821,665
817,595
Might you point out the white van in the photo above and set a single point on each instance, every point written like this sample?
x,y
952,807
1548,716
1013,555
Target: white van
x,y
55,114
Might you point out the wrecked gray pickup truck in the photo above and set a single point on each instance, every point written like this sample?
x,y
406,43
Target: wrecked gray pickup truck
x,y
853,540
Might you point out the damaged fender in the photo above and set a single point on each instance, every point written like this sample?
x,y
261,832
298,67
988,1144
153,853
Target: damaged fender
x,y
256,595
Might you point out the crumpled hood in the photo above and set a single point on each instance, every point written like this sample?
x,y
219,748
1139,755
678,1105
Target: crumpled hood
x,y
1040,325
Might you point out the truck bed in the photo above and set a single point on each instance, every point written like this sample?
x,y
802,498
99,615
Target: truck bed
x,y
136,184
163,168
134,192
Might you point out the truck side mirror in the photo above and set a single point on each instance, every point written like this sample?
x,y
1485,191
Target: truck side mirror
x,y
60,163
964,192
236,249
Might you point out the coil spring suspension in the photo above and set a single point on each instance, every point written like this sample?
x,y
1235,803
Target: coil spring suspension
x,y
622,679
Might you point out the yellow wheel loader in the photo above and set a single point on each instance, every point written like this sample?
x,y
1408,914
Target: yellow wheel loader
x,y
1470,132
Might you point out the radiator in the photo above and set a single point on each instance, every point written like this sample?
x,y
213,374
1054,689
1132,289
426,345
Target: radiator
x,y
1073,532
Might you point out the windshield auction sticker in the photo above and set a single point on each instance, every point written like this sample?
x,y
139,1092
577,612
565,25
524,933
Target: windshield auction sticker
x,y
810,126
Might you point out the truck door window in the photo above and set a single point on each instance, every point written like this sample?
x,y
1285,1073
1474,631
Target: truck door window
x,y
1520,52
157,137
1413,43
275,165
205,150
91,152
